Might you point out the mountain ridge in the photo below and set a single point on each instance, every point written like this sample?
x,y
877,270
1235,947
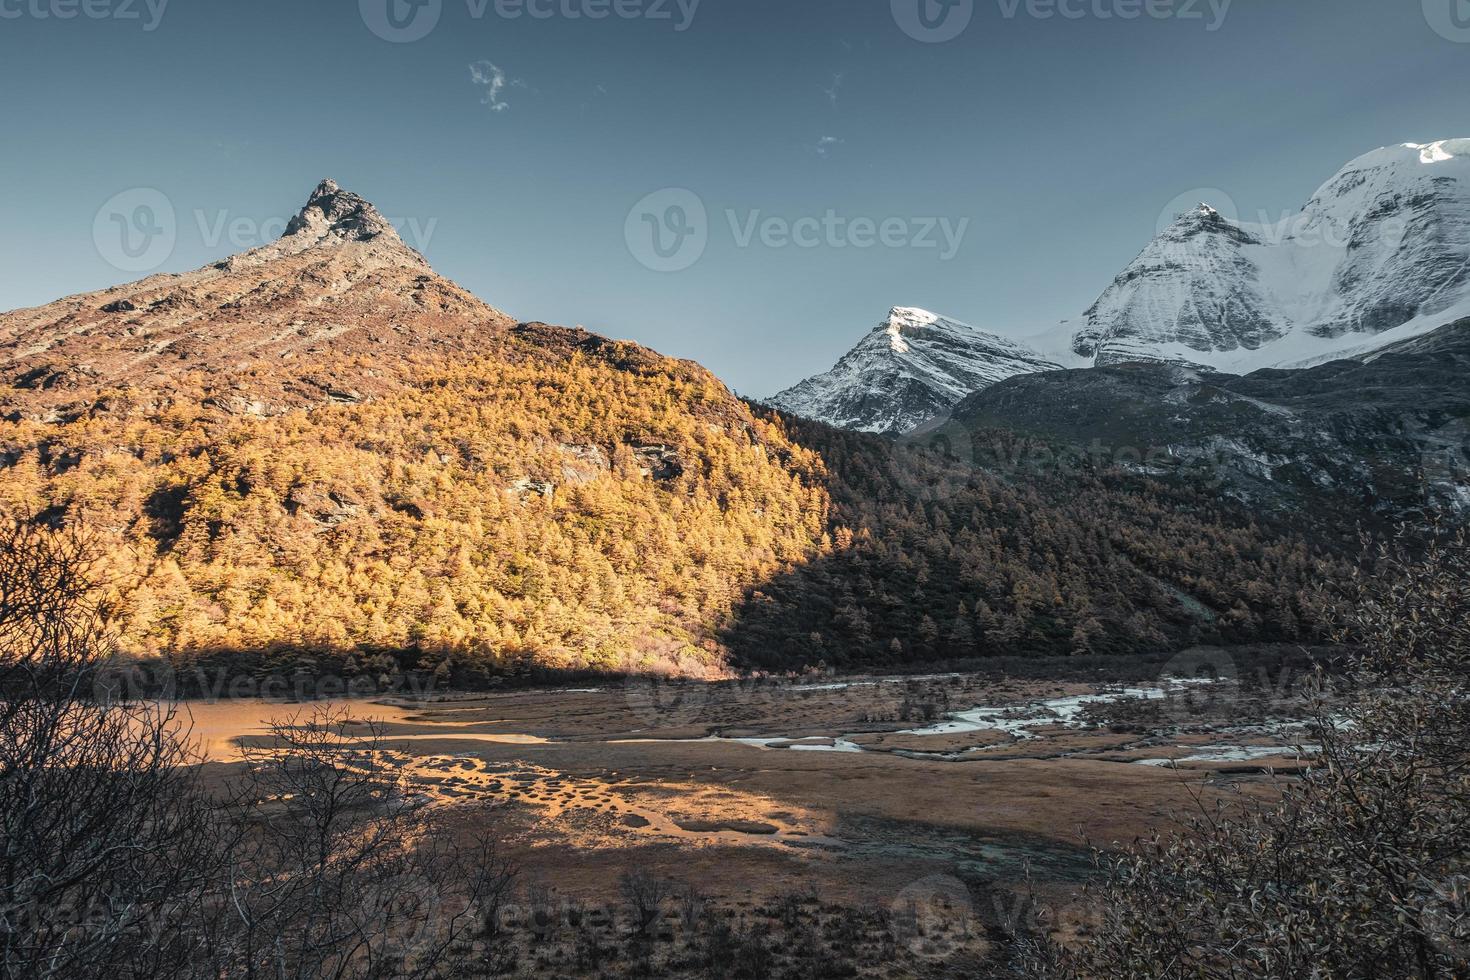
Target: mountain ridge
x,y
261,332
1385,439
319,457
1380,253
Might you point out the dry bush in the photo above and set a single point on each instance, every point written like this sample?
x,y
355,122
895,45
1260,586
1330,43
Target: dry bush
x,y
108,845
645,894
341,872
1360,869
116,862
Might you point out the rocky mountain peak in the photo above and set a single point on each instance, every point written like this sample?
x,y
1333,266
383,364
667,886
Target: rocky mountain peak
x,y
911,367
331,211
1205,220
291,324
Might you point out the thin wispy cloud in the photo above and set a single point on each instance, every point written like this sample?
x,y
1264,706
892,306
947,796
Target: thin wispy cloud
x,y
835,89
827,144
495,82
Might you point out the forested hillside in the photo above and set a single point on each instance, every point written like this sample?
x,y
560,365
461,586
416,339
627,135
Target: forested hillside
x,y
561,499
320,457
935,559
570,503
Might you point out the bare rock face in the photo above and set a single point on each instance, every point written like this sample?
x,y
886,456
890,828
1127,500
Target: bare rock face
x,y
335,311
333,211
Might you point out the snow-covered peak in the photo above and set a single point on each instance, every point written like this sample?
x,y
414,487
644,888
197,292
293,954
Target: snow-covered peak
x,y
1404,157
1384,243
1386,171
1379,254
912,366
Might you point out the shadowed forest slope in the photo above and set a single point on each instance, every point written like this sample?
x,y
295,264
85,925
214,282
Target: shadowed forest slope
x,y
934,559
321,457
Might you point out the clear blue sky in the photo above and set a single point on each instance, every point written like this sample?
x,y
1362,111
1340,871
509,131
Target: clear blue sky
x,y
1059,138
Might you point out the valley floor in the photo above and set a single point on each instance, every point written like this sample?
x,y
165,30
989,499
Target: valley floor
x,y
967,800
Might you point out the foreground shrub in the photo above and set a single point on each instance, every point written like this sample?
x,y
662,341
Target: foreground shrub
x,y
1361,868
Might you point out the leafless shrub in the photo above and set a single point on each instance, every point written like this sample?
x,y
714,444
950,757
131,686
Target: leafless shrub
x,y
645,894
1354,873
341,872
692,903
116,861
107,843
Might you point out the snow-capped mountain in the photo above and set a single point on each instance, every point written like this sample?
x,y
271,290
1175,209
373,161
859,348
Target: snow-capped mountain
x,y
1381,253
1194,290
1382,246
914,366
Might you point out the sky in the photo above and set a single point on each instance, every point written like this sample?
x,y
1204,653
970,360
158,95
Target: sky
x,y
749,183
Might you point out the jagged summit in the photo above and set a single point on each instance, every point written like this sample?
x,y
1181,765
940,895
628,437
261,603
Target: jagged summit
x,y
1206,220
332,211
337,308
912,366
